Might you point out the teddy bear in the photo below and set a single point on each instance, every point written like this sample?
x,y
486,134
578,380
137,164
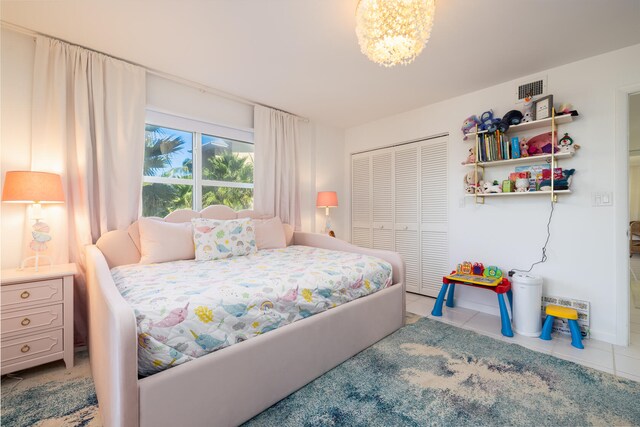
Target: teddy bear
x,y
470,184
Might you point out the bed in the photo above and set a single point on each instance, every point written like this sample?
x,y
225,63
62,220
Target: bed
x,y
248,368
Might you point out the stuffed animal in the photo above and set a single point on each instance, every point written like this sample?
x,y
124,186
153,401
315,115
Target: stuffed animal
x,y
524,148
513,117
480,187
527,110
491,188
559,184
566,144
470,185
469,125
471,158
564,108
522,185
489,123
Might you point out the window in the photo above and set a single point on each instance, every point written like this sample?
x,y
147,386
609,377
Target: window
x,y
191,165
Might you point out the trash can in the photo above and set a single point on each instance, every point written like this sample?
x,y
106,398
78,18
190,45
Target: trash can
x,y
527,300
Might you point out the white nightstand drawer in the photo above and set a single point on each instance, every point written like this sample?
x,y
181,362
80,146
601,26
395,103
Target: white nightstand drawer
x,y
30,347
30,293
29,319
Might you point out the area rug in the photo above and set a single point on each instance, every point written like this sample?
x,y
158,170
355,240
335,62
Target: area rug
x,y
51,396
431,373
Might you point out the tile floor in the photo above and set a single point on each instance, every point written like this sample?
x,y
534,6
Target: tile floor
x,y
617,360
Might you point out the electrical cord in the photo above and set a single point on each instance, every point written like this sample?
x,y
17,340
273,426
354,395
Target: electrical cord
x,y
544,248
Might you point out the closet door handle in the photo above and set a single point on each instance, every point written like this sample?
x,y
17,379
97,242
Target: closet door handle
x,y
25,321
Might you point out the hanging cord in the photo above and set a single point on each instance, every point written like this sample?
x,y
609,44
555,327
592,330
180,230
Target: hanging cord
x,y
544,248
10,388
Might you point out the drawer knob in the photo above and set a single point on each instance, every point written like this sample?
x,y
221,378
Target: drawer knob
x,y
25,295
25,321
25,348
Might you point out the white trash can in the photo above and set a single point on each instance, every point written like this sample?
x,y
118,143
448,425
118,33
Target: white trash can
x,y
527,299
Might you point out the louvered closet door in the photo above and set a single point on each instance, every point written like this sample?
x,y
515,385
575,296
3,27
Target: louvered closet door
x,y
382,198
406,212
361,215
433,215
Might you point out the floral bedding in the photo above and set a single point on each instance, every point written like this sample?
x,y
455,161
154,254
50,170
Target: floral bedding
x,y
186,309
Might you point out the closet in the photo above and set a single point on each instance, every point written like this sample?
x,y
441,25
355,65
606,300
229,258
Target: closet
x,y
399,202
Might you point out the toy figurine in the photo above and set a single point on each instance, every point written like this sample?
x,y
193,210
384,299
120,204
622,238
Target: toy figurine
x,y
465,268
489,123
566,144
564,109
471,158
524,148
469,125
527,110
492,188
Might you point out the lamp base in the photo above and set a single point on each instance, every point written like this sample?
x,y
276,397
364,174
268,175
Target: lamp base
x,y
37,263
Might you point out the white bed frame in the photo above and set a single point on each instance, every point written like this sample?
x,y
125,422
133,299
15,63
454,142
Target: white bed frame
x,y
232,385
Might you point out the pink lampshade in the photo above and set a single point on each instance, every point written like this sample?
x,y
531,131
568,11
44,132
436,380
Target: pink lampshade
x,y
327,199
32,187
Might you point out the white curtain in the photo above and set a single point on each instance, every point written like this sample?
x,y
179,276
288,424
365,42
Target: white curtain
x,y
276,175
88,125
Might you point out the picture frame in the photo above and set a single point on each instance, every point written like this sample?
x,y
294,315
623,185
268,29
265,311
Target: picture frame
x,y
542,107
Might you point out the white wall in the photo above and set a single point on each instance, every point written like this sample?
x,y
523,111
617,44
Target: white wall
x,y
330,176
510,232
15,135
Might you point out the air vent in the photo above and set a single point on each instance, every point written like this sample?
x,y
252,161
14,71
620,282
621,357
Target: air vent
x,y
534,87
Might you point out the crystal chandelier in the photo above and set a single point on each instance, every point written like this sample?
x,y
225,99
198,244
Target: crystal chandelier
x,y
392,32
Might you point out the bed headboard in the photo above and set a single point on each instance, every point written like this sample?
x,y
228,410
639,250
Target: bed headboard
x,y
121,247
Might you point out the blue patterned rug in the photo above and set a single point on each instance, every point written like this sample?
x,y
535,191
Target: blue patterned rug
x,y
428,373
431,373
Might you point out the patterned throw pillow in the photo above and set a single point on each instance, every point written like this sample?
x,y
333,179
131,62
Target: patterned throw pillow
x,y
218,239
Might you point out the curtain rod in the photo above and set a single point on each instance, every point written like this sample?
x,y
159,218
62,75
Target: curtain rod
x,y
199,86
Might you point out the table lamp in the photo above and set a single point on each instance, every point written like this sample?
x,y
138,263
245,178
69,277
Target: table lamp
x,y
327,199
34,188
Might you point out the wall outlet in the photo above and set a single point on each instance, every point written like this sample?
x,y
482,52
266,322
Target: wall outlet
x,y
601,199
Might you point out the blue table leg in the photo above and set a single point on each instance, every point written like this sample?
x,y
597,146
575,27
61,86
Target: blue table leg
x,y
576,337
546,328
437,308
504,316
452,288
510,296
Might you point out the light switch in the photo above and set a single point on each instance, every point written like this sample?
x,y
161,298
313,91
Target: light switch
x,y
602,199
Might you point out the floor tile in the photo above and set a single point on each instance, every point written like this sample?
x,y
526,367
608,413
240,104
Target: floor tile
x,y
485,324
627,365
628,376
421,306
632,350
456,316
589,355
411,297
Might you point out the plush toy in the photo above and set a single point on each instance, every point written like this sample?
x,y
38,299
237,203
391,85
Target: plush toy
x,y
491,188
559,184
540,144
470,184
469,125
524,148
564,109
513,117
489,123
471,158
522,185
566,144
480,187
527,110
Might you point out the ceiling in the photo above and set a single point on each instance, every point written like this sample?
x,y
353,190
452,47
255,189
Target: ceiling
x,y
302,56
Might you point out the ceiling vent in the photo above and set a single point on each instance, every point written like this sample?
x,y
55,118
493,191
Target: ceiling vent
x,y
534,87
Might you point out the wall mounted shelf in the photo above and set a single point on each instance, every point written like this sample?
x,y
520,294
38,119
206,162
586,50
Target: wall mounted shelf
x,y
523,193
529,159
537,124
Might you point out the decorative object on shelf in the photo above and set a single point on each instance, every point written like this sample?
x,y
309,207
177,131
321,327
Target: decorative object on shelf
x,y
565,108
469,126
507,186
327,199
471,158
515,147
522,185
561,181
34,188
527,110
524,148
566,144
470,183
542,107
541,144
491,187
513,117
488,122
392,32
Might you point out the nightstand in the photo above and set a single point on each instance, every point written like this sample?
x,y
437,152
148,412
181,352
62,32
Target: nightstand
x,y
37,316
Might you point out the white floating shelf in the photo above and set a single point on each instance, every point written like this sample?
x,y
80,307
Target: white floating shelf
x,y
523,193
560,120
529,159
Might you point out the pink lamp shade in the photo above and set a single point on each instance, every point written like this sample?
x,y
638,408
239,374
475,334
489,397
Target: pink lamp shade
x,y
327,199
32,187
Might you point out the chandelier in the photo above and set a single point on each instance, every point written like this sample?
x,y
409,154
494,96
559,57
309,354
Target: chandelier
x,y
392,32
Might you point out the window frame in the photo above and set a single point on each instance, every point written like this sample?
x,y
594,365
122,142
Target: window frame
x,y
197,128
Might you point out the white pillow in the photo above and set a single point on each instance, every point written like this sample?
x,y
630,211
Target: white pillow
x,y
270,233
218,239
162,241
